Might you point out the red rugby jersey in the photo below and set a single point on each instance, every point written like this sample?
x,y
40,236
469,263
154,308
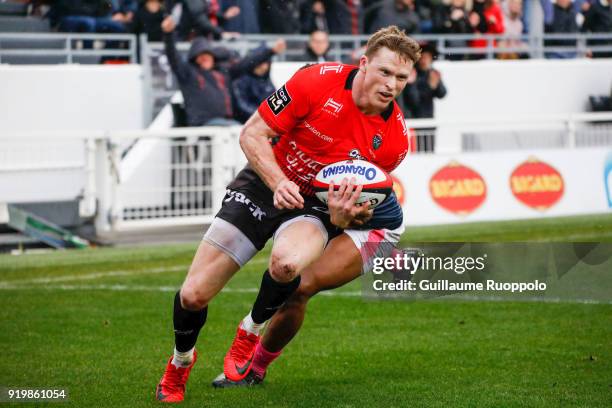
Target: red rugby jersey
x,y
319,124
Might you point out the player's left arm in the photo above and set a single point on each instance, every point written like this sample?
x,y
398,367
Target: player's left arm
x,y
343,212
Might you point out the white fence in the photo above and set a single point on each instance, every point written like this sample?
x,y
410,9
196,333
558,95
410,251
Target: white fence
x,y
139,179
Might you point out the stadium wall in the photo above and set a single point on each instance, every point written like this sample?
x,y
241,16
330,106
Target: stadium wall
x,y
71,97
61,98
521,87
478,89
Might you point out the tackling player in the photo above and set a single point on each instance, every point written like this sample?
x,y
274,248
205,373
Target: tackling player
x,y
325,113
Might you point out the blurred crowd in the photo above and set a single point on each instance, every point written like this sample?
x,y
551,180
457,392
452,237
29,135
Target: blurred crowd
x,y
220,87
218,18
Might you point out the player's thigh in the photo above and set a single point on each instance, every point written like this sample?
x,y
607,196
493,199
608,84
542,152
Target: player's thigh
x,y
340,263
209,272
297,243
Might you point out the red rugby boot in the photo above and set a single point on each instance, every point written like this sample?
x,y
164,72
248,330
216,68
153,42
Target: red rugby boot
x,y
171,387
239,357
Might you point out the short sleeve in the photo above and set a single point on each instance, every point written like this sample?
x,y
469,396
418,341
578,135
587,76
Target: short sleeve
x,y
290,104
400,142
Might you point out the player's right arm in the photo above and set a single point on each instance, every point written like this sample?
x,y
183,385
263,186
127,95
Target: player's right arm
x,y
254,140
277,115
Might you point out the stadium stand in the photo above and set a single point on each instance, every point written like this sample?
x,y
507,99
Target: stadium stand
x,y
194,171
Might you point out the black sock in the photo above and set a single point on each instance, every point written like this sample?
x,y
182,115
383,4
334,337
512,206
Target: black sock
x,y
271,296
187,325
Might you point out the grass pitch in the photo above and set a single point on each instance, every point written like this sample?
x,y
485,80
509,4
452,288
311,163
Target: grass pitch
x,y
98,323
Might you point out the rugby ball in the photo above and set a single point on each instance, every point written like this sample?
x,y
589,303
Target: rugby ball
x,y
377,184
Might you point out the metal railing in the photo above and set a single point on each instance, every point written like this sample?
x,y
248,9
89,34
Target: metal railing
x,y
72,47
178,176
66,48
347,47
55,48
344,47
492,134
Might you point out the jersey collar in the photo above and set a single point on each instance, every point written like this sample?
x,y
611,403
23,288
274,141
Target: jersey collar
x,y
386,114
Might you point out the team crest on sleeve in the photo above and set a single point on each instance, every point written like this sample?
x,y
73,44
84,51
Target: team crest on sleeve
x,y
279,100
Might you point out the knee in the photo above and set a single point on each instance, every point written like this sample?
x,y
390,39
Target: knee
x,y
282,268
192,298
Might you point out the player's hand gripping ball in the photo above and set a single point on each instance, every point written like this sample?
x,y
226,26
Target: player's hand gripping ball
x,y
377,183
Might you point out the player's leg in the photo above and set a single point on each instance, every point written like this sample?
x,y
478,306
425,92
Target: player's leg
x,y
344,259
222,252
297,243
340,263
210,270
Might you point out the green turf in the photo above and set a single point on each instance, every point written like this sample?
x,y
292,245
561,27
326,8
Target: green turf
x,y
108,347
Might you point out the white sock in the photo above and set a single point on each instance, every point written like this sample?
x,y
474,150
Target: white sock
x,y
249,325
182,359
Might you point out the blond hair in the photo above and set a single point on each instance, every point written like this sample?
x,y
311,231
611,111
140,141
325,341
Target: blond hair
x,y
395,40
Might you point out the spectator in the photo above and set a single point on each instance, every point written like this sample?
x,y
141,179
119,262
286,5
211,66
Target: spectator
x,y
424,84
401,13
317,48
513,30
205,86
343,16
456,19
240,16
202,17
598,19
250,89
148,19
85,16
425,8
280,16
312,17
560,18
487,17
123,11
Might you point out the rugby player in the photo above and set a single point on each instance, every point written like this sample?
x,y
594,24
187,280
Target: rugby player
x,y
325,113
380,77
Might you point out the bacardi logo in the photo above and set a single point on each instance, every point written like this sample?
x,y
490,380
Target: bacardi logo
x,y
537,184
458,188
399,190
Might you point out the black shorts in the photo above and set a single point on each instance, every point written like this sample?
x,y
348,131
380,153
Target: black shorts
x,y
249,206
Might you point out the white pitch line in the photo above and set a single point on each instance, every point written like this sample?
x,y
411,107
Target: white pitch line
x,y
144,288
352,294
97,275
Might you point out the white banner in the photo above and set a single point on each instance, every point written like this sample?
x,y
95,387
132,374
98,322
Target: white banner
x,y
442,189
